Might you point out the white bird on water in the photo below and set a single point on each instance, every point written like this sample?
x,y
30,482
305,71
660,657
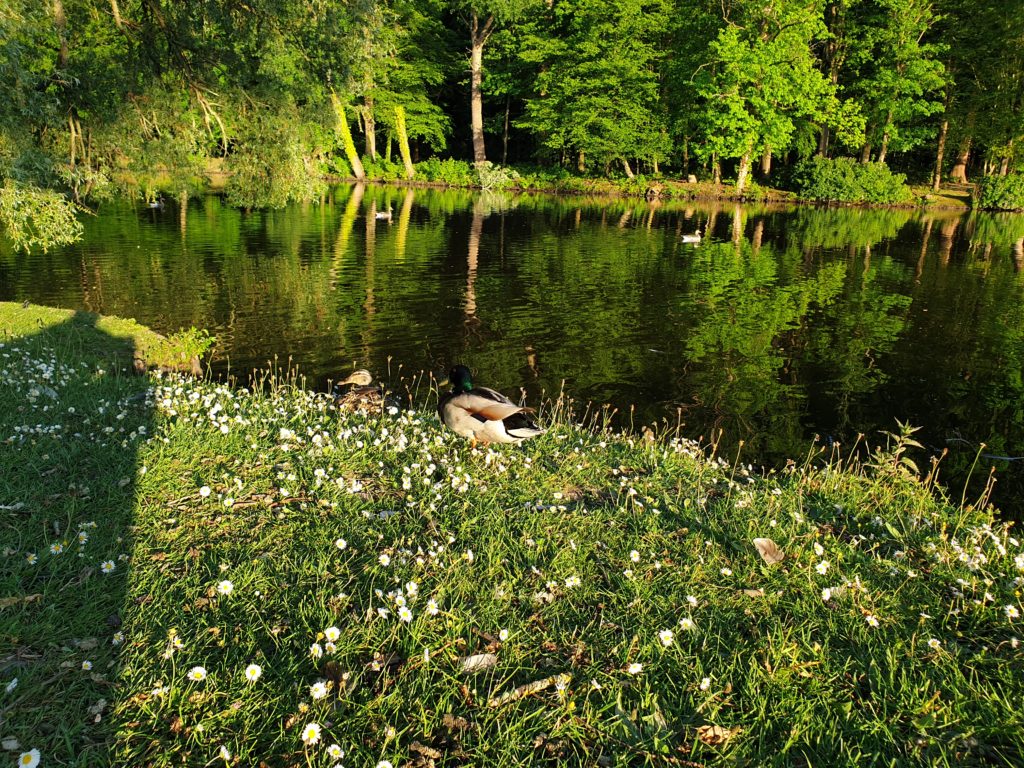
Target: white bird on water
x,y
691,238
382,215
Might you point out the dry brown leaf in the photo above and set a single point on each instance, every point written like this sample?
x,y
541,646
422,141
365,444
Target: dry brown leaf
x,y
424,750
11,745
769,550
7,602
529,688
714,735
753,592
477,663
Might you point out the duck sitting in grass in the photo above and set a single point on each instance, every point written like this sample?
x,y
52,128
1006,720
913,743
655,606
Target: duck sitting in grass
x,y
483,415
357,390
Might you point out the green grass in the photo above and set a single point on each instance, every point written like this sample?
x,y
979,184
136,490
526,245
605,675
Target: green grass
x,y
585,546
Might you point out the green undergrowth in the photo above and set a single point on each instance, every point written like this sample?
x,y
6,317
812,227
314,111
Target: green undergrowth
x,y
584,598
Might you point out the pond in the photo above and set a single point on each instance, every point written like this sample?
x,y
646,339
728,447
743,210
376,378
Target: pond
x,y
780,325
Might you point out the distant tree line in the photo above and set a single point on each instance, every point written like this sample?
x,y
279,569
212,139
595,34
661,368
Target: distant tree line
x,y
101,96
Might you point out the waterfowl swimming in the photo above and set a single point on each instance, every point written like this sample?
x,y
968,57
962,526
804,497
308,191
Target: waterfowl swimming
x,y
382,215
691,238
356,390
483,415
158,203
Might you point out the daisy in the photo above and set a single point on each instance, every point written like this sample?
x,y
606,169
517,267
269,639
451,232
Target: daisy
x,y
384,764
225,587
335,752
826,594
635,668
692,601
634,556
871,620
225,753
117,639
666,636
316,650
934,644
253,672
822,567
1012,612
818,549
29,759
197,674
405,614
311,733
332,634
503,635
726,571
687,623
86,665
56,548
705,683
384,560
108,566
318,690
572,581
432,608
204,491
340,543
31,558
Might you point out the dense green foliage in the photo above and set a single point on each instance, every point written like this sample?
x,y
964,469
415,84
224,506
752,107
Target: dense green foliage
x,y
149,97
843,179
1004,193
195,575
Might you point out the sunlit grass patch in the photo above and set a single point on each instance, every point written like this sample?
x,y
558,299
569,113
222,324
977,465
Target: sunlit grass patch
x,y
271,581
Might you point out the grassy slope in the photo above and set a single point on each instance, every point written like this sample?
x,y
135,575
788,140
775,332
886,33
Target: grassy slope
x,y
584,547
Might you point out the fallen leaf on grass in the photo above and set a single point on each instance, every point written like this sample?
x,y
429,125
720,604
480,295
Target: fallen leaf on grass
x,y
714,735
454,722
7,602
753,592
97,709
11,745
424,750
478,663
529,688
769,550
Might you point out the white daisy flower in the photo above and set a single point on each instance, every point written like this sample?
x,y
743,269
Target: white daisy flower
x,y
29,759
197,674
225,587
332,634
318,690
311,734
253,672
666,636
635,668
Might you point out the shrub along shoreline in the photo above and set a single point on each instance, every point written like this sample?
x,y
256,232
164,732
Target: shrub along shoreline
x,y
194,574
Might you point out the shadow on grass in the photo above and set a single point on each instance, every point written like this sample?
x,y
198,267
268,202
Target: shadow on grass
x,y
72,418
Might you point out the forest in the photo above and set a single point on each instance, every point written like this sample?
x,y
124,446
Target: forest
x,y
154,97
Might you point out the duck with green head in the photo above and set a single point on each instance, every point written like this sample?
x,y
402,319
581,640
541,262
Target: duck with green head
x,y
483,415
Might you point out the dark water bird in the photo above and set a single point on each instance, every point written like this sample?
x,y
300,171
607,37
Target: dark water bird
x,y
356,390
483,415
383,215
695,237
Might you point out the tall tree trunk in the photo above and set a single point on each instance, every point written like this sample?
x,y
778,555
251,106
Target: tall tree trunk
x,y
766,162
959,171
716,169
346,138
865,153
116,11
403,142
478,37
370,126
1004,164
60,21
743,172
823,139
581,162
939,156
885,138
504,135
627,169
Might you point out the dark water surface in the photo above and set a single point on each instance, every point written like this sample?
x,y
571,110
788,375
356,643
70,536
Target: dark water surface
x,y
782,324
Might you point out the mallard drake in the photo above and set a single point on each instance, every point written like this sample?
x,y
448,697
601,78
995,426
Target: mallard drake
x,y
356,390
483,415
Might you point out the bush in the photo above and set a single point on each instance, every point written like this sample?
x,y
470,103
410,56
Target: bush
x,y
1001,193
843,179
491,176
455,173
383,170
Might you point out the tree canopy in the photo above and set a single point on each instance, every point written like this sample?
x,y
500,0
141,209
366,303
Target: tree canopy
x,y
135,96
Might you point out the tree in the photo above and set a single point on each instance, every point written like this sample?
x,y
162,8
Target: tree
x,y
761,77
597,92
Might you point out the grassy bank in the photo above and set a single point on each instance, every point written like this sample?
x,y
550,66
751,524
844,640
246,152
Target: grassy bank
x,y
195,575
